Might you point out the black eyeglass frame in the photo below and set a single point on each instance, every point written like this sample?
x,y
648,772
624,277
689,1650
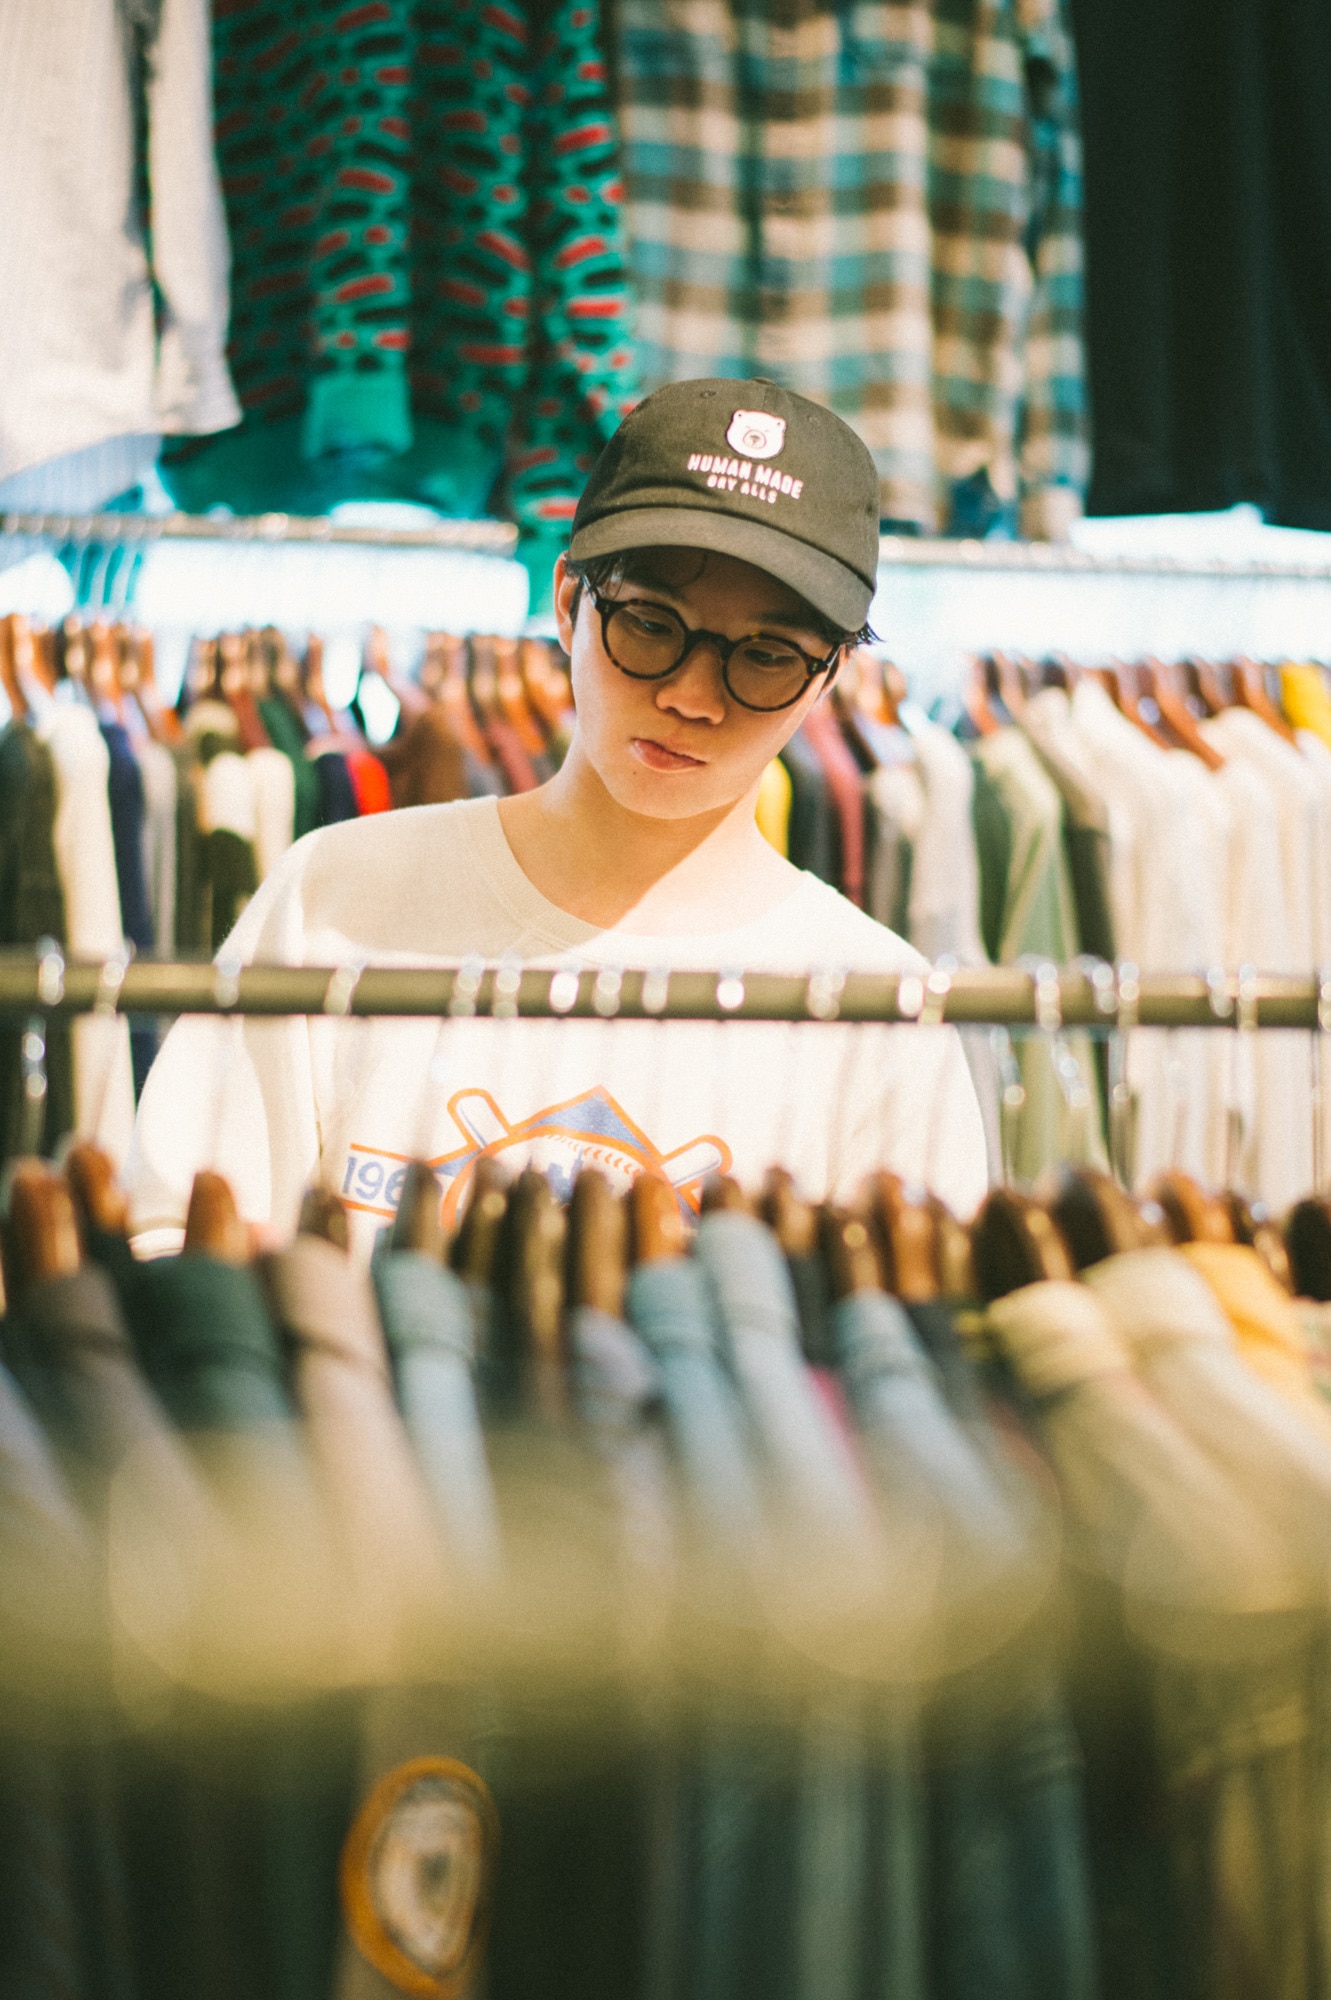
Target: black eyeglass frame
x,y
607,607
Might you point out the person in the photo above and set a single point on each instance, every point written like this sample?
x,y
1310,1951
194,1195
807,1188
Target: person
x,y
722,561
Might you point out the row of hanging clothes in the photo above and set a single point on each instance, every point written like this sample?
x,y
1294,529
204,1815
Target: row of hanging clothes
x,y
1172,814
128,822
805,1602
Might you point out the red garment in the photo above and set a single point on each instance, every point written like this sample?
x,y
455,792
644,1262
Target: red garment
x,y
846,785
369,781
518,770
253,735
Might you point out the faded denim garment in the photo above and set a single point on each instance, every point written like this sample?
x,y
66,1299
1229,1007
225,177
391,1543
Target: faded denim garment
x,y
1010,1906
845,1793
728,1937
427,1315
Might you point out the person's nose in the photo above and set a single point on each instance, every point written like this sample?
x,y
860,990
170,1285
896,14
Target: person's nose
x,y
696,691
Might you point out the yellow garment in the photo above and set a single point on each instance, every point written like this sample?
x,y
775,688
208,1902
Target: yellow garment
x,y
774,806
1264,1317
1306,699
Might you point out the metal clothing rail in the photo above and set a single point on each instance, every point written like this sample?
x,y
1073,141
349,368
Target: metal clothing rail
x,y
1089,994
493,538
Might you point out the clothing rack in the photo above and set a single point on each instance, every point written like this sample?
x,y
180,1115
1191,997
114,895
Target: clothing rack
x,y
496,538
1089,995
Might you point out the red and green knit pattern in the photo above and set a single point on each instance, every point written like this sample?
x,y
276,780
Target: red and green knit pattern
x,y
429,291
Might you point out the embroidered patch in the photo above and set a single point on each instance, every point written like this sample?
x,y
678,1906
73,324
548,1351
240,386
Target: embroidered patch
x,y
754,434
417,1876
587,1131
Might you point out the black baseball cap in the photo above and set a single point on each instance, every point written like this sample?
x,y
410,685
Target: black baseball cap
x,y
750,470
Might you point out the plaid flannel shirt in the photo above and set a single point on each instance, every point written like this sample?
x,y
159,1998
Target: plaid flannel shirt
x,y
877,206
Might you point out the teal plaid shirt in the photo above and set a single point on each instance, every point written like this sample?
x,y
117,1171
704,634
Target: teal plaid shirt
x,y
879,207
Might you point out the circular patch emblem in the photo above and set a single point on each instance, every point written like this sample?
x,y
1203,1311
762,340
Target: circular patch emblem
x,y
418,1874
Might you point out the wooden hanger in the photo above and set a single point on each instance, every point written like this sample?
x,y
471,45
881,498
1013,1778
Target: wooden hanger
x,y
1308,1241
1127,693
324,1214
1097,1219
483,680
656,1227
100,1203
137,668
721,1191
956,1263
1253,1226
311,682
455,700
475,1247
849,1252
1015,1242
1191,1214
40,1236
512,698
978,700
906,1229
213,1227
531,1282
1250,691
596,1260
548,688
795,1224
18,701
377,660
419,1224
1207,684
1167,688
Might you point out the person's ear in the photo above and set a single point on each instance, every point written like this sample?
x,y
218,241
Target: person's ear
x,y
567,587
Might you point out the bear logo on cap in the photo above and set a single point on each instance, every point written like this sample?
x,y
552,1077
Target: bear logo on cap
x,y
754,434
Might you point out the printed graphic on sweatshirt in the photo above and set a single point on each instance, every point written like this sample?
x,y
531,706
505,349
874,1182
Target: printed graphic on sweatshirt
x,y
587,1131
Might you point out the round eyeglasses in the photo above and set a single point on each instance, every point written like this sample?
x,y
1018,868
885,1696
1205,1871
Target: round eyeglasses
x,y
649,642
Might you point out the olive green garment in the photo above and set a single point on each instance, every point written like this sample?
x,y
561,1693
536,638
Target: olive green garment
x,y
1039,920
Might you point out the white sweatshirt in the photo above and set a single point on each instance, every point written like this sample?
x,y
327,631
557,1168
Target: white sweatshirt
x,y
278,1105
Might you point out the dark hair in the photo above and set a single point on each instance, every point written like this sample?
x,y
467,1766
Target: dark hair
x,y
631,566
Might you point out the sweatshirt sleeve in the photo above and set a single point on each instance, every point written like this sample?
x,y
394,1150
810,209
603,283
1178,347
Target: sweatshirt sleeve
x,y
236,1096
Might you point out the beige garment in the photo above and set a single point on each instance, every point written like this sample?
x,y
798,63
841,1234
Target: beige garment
x,y
1185,1350
374,1497
273,779
1264,1318
1146,1507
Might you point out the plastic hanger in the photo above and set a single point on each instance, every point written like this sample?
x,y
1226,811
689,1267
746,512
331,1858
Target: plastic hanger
x,y
1016,1242
596,1256
40,1236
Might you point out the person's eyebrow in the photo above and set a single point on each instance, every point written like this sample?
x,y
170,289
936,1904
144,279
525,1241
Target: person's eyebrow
x,y
790,621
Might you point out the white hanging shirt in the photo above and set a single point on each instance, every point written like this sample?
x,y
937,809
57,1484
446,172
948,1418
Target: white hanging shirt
x,y
277,1105
87,352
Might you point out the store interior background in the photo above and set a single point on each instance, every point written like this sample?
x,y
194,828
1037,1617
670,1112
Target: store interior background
x,y
1155,184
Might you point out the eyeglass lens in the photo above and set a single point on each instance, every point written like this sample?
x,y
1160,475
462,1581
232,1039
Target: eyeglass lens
x,y
648,641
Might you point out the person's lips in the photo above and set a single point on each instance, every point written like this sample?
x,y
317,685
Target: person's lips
x,y
660,757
